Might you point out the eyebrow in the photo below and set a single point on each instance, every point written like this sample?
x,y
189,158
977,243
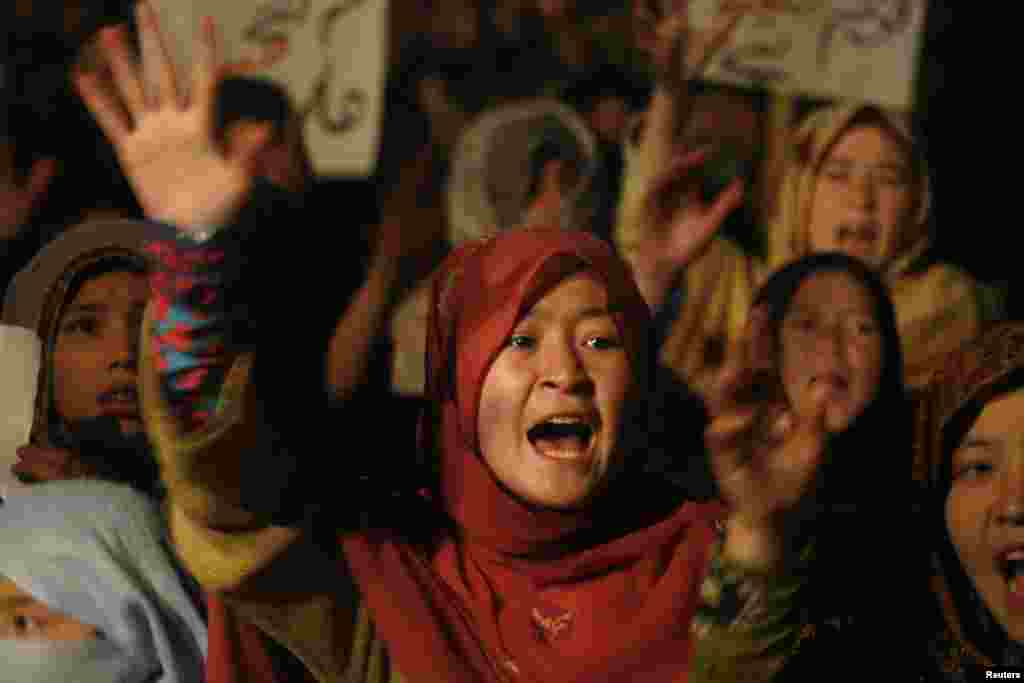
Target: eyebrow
x,y
97,308
586,314
979,441
900,166
798,309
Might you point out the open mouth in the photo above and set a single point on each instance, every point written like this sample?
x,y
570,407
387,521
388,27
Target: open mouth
x,y
1012,566
861,235
120,402
563,436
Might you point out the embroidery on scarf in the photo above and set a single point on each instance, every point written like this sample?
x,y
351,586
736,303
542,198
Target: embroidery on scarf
x,y
552,623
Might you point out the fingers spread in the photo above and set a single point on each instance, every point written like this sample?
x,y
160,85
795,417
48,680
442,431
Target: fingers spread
x,y
156,62
727,201
262,58
206,71
124,67
108,112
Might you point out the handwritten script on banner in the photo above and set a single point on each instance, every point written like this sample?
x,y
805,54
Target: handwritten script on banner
x,y
863,50
334,68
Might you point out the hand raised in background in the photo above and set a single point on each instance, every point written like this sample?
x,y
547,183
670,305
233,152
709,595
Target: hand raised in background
x,y
680,224
19,199
678,53
164,131
765,457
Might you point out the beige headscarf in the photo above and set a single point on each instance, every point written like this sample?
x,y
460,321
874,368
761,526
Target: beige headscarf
x,y
788,237
39,292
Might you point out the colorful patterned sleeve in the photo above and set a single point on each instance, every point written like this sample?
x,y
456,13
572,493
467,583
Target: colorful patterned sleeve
x,y
189,328
747,626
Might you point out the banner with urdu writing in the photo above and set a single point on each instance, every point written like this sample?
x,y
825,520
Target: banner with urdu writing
x,y
333,69
863,50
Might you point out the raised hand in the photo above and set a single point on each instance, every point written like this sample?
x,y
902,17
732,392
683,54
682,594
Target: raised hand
x,y
678,53
765,457
37,464
163,131
680,224
18,200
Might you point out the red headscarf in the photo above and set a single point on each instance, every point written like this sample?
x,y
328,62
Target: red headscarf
x,y
476,607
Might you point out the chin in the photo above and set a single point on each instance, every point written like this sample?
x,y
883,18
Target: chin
x,y
837,419
564,501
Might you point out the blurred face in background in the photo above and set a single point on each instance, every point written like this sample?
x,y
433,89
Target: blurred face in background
x,y
865,195
95,354
830,337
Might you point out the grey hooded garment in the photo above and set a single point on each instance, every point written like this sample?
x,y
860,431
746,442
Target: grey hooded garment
x,y
98,552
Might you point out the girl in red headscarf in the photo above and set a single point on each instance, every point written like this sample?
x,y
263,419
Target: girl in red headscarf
x,y
529,540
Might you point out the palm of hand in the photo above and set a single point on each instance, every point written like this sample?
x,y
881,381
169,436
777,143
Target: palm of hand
x,y
178,173
777,476
765,456
164,131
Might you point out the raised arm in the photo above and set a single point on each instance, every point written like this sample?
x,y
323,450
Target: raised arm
x,y
766,461
236,376
663,223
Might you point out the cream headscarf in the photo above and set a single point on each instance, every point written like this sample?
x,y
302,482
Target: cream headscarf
x,y
788,237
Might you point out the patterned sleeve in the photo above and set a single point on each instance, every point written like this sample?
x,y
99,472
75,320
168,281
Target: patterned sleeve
x,y
189,328
747,626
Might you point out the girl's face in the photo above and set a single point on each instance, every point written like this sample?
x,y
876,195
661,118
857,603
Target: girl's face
x,y
831,335
552,401
864,196
22,617
985,509
95,354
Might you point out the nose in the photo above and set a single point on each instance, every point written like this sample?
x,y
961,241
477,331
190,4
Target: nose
x,y
863,193
829,339
1010,507
123,347
562,369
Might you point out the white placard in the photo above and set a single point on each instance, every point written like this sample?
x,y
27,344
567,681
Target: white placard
x,y
334,68
20,359
863,50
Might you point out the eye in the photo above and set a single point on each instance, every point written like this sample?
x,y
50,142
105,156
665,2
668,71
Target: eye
x,y
25,626
602,343
974,470
835,172
802,323
86,325
521,341
865,327
892,178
